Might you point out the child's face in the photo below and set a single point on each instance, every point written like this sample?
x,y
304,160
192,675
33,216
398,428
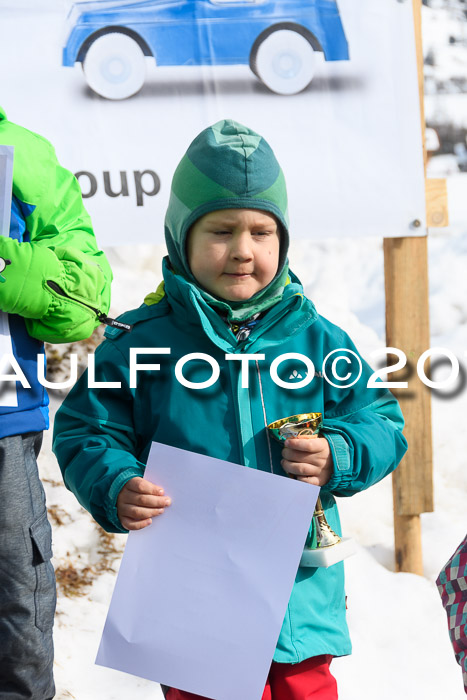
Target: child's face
x,y
234,253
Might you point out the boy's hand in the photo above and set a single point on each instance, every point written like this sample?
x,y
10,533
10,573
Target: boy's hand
x,y
138,502
308,460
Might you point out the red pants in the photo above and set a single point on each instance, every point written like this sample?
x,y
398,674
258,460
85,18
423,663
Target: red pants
x,y
309,680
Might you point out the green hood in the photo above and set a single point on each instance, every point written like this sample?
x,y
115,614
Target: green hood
x,y
227,166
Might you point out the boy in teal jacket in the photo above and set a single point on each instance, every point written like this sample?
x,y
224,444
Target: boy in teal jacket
x,y
227,290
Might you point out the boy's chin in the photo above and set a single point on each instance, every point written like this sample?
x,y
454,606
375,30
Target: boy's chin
x,y
234,293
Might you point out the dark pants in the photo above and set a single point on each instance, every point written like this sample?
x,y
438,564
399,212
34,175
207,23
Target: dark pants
x,y
27,580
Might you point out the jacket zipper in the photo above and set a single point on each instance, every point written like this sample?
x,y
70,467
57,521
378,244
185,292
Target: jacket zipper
x,y
100,315
264,417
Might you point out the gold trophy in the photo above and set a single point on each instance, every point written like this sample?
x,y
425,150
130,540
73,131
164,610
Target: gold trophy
x,y
307,425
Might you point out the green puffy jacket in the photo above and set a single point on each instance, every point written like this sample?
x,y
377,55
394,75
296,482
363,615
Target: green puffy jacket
x,y
55,277
103,436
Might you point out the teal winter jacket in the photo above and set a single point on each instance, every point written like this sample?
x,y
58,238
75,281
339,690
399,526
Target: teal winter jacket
x,y
103,435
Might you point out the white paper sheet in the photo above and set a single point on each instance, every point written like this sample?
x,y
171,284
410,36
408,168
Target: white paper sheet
x,y
8,395
201,593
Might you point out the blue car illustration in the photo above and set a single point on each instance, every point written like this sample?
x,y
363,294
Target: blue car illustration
x,y
278,39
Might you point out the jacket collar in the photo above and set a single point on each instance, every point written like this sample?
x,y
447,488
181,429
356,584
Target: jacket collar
x,y
2,114
286,319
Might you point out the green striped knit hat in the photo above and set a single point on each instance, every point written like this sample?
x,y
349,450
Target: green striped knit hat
x,y
227,166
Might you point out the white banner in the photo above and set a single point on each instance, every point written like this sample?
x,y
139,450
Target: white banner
x,y
349,142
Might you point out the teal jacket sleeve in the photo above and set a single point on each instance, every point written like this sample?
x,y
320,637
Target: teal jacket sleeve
x,y
94,438
57,280
366,445
364,429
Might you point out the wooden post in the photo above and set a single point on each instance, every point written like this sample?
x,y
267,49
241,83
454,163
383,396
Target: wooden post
x,y
407,328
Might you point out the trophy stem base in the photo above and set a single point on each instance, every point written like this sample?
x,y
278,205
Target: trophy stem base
x,y
329,555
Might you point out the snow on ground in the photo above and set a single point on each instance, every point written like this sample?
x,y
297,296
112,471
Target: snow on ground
x,y
398,626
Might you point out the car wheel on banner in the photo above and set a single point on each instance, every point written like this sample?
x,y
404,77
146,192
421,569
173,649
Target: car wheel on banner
x,y
114,66
284,61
